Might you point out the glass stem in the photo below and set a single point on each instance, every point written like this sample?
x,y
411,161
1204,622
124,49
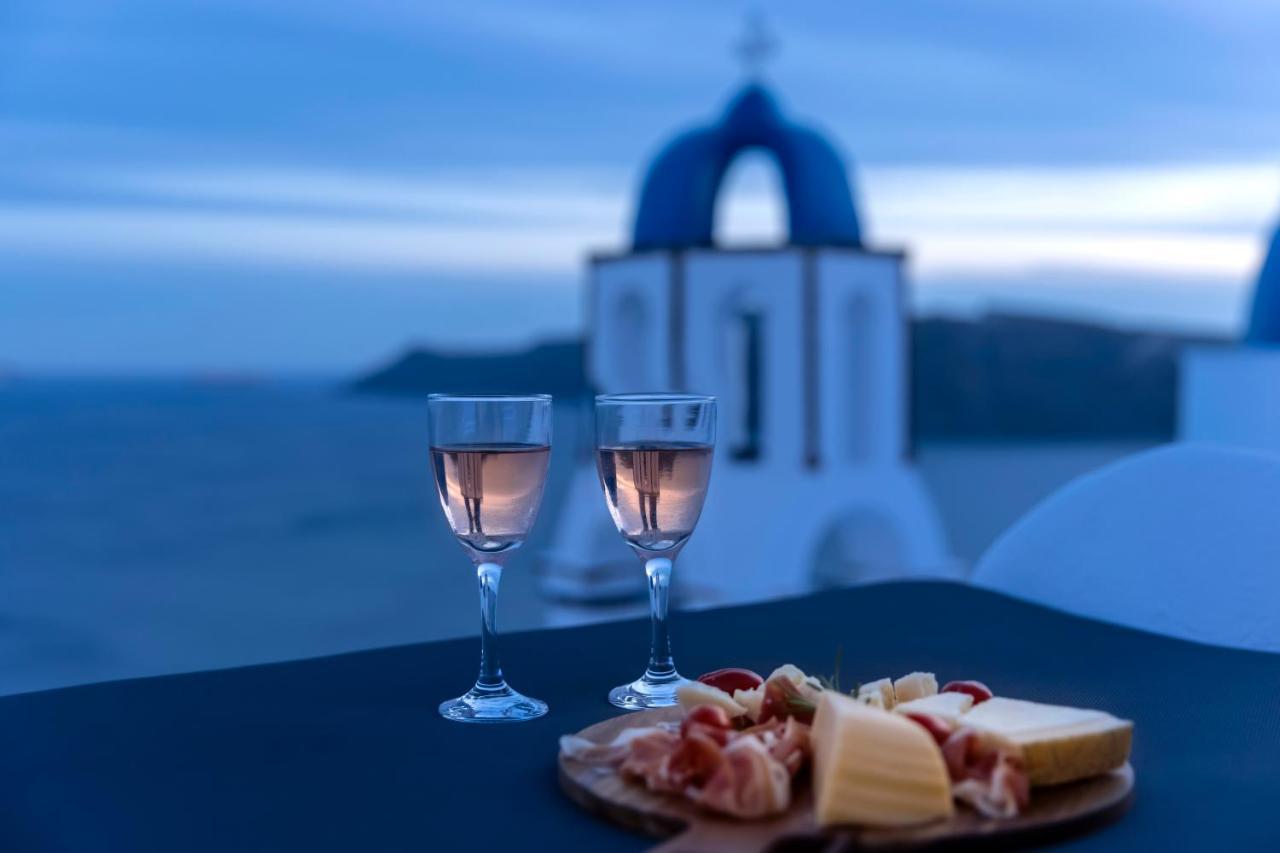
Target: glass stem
x,y
661,666
489,574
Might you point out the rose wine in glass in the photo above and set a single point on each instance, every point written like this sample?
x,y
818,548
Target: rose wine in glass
x,y
655,491
490,493
489,456
654,458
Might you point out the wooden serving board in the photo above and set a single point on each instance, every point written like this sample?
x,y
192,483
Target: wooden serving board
x,y
1055,812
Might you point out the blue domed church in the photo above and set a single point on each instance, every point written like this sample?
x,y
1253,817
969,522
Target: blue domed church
x,y
805,345
1264,316
1231,394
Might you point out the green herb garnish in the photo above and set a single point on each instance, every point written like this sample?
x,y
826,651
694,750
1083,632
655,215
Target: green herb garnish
x,y
833,682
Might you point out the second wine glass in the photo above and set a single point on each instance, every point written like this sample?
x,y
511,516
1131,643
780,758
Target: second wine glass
x,y
490,457
654,459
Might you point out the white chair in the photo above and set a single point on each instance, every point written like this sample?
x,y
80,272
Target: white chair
x,y
1183,540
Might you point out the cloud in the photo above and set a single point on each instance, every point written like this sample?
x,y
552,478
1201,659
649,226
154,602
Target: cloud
x,y
1193,220
1238,196
545,196
1000,254
287,240
447,83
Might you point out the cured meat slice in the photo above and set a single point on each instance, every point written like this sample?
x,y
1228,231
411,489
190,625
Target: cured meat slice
x,y
784,697
741,773
749,783
649,758
710,721
613,752
787,741
695,760
987,774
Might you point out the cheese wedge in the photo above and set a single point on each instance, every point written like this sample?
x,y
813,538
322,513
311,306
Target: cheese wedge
x,y
947,706
1059,744
881,688
874,768
914,686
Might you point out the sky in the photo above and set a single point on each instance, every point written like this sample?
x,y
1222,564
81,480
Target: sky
x,y
314,185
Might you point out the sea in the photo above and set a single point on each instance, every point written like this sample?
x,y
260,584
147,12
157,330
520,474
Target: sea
x,y
152,526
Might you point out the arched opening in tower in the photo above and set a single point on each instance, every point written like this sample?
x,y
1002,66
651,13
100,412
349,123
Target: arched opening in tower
x,y
751,206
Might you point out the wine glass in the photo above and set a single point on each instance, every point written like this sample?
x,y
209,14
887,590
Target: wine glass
x,y
654,460
490,456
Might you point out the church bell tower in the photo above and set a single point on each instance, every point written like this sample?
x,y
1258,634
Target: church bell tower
x,y
804,344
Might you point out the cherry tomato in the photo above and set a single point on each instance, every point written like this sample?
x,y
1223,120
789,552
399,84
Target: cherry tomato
x,y
731,679
979,691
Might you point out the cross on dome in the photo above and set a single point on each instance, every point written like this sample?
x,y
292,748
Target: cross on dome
x,y
756,46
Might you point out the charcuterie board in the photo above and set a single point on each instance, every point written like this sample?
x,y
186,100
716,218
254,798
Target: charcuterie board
x,y
1055,812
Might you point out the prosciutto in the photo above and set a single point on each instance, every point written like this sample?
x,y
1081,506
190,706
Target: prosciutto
x,y
787,741
744,773
747,783
985,772
590,752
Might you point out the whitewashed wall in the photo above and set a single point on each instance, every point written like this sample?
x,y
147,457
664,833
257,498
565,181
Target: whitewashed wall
x,y
825,468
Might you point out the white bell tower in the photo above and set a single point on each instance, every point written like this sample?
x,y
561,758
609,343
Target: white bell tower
x,y
804,344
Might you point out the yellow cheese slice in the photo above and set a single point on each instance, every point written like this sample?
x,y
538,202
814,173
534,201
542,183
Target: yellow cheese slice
x,y
948,706
1059,744
874,768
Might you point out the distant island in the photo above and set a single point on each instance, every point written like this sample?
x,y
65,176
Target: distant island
x,y
1001,376
553,367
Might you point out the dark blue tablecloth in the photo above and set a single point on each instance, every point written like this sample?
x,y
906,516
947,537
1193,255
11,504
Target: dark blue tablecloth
x,y
347,753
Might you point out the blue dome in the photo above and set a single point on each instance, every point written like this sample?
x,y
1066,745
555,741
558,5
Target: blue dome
x,y
677,203
1264,319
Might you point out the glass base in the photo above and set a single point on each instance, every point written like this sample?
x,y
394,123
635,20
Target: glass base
x,y
648,692
492,705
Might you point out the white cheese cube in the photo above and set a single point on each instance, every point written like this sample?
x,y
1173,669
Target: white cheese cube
x,y
791,672
872,700
752,700
881,687
914,686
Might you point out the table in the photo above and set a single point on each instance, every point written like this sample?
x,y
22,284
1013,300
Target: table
x,y
347,752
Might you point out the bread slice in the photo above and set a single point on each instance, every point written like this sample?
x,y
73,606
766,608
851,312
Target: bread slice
x,y
1059,744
